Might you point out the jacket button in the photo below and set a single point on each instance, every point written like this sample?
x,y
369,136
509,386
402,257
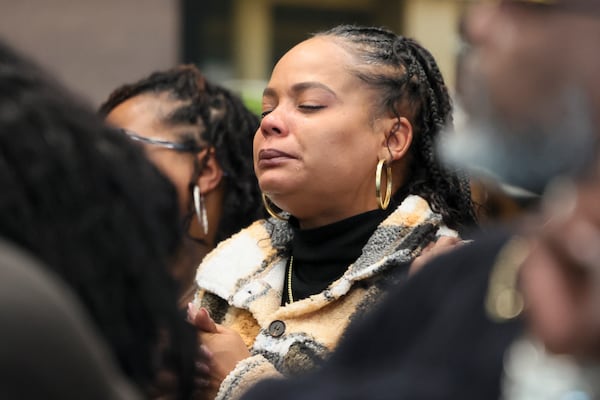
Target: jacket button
x,y
276,328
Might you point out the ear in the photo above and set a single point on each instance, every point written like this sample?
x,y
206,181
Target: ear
x,y
211,175
397,140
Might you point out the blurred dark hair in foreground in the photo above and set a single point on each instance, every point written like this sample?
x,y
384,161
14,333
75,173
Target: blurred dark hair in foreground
x,y
85,201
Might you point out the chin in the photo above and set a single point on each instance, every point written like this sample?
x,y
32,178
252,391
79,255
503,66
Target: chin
x,y
276,184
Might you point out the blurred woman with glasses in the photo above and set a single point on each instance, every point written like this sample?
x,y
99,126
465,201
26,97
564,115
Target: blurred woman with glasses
x,y
200,136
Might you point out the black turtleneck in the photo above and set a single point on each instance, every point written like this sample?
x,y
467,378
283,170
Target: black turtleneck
x,y
322,255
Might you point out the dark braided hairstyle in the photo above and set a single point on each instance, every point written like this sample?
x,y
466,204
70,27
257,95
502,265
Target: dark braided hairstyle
x,y
410,84
223,123
86,202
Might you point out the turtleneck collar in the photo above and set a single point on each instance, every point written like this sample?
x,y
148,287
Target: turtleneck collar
x,y
322,255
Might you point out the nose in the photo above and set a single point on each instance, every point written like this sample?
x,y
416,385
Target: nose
x,y
273,124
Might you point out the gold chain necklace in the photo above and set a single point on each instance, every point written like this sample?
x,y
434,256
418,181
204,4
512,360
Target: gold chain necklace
x,y
289,281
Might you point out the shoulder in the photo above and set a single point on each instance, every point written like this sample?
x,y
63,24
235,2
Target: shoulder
x,y
233,258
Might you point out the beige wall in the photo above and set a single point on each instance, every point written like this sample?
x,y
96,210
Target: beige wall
x,y
253,27
94,45
434,23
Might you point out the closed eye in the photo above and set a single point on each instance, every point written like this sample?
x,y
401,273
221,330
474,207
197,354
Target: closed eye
x,y
265,113
310,107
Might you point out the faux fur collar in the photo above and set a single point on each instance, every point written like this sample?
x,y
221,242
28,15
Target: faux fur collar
x,y
251,264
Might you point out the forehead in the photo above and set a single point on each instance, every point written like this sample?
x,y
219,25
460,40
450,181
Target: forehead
x,y
146,106
149,113
320,59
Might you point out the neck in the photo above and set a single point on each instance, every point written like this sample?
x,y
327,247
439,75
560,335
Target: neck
x,y
186,262
335,215
328,219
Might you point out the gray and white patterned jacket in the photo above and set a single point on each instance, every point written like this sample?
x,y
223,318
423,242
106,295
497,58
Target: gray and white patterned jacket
x,y
241,281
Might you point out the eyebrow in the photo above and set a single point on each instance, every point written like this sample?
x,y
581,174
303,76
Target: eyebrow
x,y
300,87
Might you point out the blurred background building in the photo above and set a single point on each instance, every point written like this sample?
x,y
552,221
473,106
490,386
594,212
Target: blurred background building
x,y
96,45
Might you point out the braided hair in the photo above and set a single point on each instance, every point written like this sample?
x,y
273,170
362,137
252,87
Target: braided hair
x,y
223,123
71,196
410,84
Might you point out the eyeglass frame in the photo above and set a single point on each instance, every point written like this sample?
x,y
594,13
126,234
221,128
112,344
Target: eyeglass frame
x,y
180,147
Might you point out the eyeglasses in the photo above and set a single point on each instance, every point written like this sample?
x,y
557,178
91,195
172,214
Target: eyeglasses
x,y
188,147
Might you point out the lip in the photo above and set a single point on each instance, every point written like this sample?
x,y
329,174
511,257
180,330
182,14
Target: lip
x,y
269,154
272,157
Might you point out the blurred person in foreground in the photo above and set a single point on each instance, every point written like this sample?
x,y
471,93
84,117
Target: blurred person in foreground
x,y
86,202
199,135
50,348
533,94
513,315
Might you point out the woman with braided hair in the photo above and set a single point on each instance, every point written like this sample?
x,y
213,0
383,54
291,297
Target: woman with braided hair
x,y
345,159
200,136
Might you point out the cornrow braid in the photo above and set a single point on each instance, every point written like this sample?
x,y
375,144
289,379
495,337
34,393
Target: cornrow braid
x,y
223,122
410,84
455,193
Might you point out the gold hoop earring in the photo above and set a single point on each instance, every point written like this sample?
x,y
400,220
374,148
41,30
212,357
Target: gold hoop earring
x,y
385,202
269,209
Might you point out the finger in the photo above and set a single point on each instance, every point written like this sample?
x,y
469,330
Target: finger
x,y
205,353
202,382
428,247
203,321
202,368
447,241
432,250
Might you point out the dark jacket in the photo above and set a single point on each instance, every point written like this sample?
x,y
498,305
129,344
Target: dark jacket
x,y
431,339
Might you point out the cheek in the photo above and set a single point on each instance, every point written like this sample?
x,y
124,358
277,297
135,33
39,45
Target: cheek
x,y
342,163
178,172
257,142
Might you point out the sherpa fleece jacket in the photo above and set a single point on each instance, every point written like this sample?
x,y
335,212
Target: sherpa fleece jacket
x,y
241,282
